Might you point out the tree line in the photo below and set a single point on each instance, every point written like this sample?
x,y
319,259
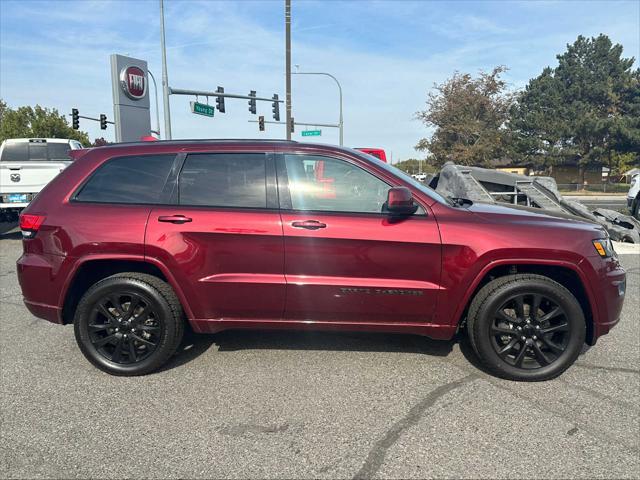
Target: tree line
x,y
583,112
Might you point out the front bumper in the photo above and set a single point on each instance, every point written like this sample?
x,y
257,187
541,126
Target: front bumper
x,y
608,286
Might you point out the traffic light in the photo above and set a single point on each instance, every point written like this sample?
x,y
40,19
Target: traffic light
x,y
275,108
292,124
75,118
252,102
103,121
220,100
261,123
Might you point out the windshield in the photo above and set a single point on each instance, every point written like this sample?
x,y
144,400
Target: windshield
x,y
407,178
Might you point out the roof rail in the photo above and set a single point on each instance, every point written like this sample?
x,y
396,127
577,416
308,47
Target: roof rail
x,y
201,140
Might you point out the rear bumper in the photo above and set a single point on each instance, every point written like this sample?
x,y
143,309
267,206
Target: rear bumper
x,y
40,278
50,313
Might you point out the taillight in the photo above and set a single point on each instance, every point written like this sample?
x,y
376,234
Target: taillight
x,y
30,224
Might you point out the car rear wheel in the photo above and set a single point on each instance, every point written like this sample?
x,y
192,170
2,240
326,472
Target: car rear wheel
x,y
129,324
526,327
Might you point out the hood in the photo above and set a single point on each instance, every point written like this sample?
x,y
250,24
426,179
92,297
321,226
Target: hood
x,y
519,214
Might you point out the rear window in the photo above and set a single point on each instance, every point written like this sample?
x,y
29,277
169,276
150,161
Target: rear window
x,y
135,179
35,151
224,180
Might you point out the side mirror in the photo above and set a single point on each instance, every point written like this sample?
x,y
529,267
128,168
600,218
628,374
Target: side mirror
x,y
400,202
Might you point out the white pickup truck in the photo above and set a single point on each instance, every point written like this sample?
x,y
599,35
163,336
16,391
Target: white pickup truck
x,y
26,166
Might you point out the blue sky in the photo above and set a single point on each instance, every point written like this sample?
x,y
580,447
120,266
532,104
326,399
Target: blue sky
x,y
387,55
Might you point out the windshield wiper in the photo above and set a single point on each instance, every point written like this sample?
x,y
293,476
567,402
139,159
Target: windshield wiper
x,y
460,202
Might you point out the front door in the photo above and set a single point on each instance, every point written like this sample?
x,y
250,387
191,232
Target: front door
x,y
346,261
223,239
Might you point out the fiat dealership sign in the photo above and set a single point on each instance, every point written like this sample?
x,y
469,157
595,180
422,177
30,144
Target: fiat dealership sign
x,y
131,106
133,81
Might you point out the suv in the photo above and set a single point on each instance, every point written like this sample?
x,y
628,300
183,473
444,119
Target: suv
x,y
26,166
132,241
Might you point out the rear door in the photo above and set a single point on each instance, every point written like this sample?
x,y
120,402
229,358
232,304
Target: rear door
x,y
345,261
223,239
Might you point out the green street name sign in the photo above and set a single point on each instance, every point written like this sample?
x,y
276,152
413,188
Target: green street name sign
x,y
202,109
311,133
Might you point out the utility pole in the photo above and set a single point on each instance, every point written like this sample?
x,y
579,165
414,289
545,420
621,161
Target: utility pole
x,y
287,27
165,78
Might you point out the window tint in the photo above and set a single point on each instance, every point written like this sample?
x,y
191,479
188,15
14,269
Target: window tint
x,y
38,151
224,180
128,180
328,184
15,152
59,151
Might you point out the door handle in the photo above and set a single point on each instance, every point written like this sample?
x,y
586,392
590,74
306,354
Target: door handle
x,y
309,224
179,219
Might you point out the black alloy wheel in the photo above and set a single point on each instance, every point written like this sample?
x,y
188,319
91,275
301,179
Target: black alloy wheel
x,y
129,323
530,331
124,327
526,327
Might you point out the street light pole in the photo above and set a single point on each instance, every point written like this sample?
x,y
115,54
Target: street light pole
x,y
155,89
341,121
287,26
165,79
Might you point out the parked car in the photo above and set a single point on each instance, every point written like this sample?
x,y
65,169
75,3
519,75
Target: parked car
x,y
633,197
379,153
132,241
26,166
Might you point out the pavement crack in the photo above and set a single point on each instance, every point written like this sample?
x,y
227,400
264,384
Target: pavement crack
x,y
601,396
607,369
377,454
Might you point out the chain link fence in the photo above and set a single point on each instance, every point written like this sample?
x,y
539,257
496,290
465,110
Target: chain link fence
x,y
579,188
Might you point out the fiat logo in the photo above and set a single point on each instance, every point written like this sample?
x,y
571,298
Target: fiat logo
x,y
133,81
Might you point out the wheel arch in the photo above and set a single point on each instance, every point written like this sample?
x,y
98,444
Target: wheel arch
x,y
566,274
90,270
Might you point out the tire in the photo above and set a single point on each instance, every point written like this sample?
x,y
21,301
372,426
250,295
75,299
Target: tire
x,y
526,343
635,213
129,324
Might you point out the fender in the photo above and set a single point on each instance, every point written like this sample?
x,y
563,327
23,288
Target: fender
x,y
525,261
78,262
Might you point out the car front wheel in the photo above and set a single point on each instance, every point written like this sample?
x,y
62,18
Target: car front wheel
x,y
129,324
526,327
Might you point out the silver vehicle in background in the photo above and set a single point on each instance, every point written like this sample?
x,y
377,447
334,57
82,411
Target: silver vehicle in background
x,y
26,166
633,197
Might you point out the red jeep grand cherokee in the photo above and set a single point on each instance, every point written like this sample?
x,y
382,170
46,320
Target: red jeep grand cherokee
x,y
133,240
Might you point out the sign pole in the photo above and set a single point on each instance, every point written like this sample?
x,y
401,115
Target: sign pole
x,y
165,79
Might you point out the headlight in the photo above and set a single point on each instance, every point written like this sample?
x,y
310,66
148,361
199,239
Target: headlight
x,y
604,247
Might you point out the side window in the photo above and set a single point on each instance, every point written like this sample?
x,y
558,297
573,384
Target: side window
x,y
224,180
329,184
136,179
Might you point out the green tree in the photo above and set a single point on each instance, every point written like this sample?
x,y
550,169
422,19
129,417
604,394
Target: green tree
x,y
413,166
469,116
26,122
586,110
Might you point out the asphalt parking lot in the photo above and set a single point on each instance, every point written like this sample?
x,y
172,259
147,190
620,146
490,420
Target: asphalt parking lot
x,y
312,405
